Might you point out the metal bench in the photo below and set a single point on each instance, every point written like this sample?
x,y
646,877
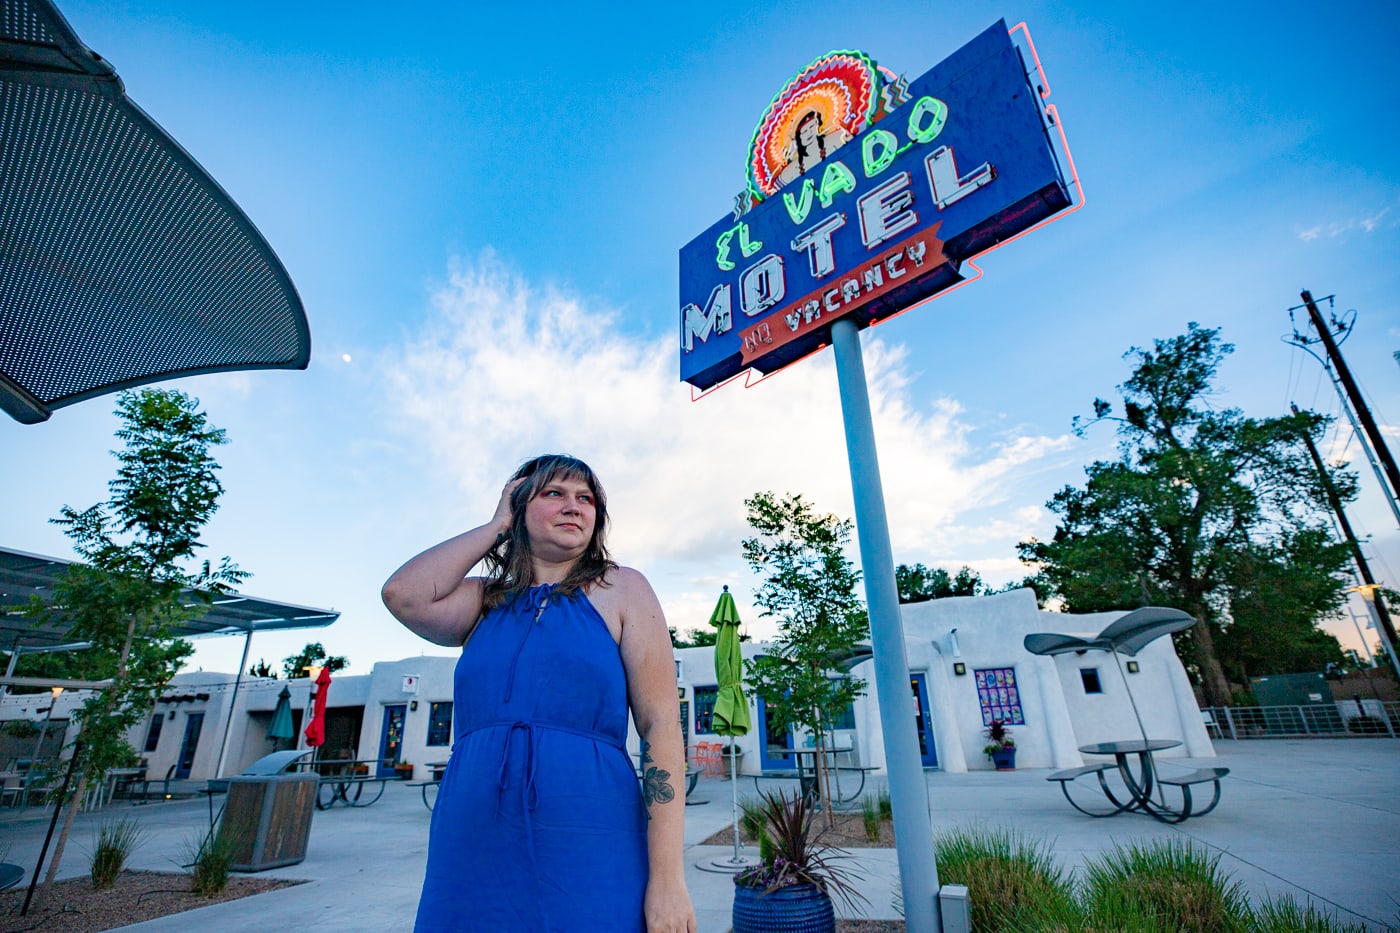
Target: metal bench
x,y
1070,775
1185,781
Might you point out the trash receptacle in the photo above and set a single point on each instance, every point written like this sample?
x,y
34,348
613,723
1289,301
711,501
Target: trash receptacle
x,y
267,819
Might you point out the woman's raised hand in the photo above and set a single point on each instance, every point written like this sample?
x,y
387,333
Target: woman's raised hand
x,y
501,521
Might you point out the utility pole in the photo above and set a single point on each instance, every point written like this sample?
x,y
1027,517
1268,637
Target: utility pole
x,y
1358,403
1386,627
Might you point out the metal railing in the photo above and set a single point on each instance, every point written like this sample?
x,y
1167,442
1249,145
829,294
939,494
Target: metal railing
x,y
1341,719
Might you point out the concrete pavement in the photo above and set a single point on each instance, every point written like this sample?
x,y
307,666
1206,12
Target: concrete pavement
x,y
1315,818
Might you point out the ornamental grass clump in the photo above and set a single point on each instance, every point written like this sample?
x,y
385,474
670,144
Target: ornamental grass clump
x,y
798,856
111,847
211,860
870,813
882,800
1285,915
1179,884
1009,876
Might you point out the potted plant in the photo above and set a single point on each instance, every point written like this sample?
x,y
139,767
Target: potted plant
x,y
1002,747
731,759
790,890
403,771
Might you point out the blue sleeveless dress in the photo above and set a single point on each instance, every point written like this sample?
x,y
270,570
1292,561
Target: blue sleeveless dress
x,y
539,823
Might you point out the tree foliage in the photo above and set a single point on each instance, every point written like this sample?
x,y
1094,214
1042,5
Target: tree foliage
x,y
809,587
134,582
1205,510
313,655
917,583
705,637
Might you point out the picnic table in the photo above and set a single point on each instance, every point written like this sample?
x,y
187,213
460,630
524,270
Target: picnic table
x,y
346,782
1134,763
807,773
10,875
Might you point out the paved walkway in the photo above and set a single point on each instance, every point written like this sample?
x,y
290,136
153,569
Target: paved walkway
x,y
1319,819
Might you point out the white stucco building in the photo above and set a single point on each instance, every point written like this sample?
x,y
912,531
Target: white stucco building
x,y
967,665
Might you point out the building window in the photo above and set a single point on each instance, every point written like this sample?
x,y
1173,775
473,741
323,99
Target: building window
x,y
705,709
1090,676
846,719
153,732
440,724
999,696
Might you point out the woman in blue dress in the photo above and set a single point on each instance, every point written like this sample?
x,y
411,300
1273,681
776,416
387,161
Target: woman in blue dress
x,y
541,823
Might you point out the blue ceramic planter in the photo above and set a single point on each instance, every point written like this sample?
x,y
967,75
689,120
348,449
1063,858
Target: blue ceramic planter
x,y
1005,759
797,908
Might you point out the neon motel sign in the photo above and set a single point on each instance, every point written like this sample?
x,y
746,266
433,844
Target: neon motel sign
x,y
866,195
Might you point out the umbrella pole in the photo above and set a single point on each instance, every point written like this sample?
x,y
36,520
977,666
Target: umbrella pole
x,y
1142,730
734,793
735,862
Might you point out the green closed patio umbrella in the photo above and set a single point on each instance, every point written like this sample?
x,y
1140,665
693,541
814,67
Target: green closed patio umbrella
x,y
731,713
281,729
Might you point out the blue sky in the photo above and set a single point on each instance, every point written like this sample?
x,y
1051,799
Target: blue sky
x,y
482,208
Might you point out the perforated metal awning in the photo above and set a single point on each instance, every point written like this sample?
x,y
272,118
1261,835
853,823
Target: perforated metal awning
x,y
122,261
23,575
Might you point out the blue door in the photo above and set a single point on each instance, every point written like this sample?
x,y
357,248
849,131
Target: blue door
x,y
770,737
194,725
923,723
391,739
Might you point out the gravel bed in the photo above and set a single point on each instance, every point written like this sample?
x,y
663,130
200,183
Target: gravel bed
x,y
74,906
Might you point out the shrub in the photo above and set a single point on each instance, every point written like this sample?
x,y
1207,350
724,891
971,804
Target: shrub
x,y
1285,915
798,854
882,799
19,728
1179,884
870,811
113,845
1366,725
211,862
1010,877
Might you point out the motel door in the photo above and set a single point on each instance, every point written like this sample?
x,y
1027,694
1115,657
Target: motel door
x,y
194,725
391,739
923,723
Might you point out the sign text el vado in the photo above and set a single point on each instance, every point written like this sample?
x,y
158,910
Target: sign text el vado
x,y
865,195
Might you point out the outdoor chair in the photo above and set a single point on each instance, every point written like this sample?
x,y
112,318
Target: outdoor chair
x,y
147,781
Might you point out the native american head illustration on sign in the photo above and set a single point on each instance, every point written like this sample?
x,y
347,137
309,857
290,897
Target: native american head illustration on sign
x,y
829,102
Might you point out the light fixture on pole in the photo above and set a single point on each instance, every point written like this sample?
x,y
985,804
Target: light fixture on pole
x,y
54,693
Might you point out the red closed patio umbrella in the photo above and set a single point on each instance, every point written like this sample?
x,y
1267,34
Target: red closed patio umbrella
x,y
316,729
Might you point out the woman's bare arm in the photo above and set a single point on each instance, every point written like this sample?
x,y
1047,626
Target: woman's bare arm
x,y
432,594
651,690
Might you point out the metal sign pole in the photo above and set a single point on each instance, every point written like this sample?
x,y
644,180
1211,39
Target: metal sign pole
x,y
908,792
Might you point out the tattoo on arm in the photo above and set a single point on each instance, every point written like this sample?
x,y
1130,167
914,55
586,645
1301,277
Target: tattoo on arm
x,y
656,786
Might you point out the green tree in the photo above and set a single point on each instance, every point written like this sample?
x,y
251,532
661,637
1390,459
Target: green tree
x,y
313,655
1204,510
262,669
693,638
917,583
809,587
133,584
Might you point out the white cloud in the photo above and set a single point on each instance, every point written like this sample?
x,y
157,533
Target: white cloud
x,y
503,370
1341,227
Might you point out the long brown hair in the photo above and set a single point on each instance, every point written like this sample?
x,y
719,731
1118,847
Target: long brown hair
x,y
509,564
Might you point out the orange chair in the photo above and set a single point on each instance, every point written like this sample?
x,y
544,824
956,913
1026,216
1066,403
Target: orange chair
x,y
711,758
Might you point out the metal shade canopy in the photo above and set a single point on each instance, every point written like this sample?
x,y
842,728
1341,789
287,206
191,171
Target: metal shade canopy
x,y
122,262
1128,635
23,575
